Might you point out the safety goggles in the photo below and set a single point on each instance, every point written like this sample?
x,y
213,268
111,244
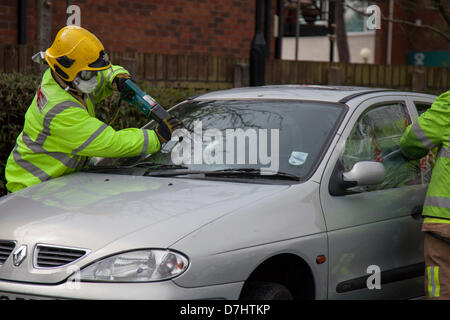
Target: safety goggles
x,y
87,74
102,61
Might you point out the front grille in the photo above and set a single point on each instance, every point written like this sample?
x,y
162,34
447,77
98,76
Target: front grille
x,y
6,247
47,256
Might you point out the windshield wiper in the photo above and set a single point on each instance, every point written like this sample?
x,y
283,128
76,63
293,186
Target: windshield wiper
x,y
240,172
253,173
145,165
151,165
103,168
172,170
136,169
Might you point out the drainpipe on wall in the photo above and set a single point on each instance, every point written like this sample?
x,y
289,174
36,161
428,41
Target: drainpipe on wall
x,y
389,37
258,50
279,42
331,28
22,23
297,28
267,24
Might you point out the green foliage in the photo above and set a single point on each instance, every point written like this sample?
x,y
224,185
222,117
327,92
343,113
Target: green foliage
x,y
17,92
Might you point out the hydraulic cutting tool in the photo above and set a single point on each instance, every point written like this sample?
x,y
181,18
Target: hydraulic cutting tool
x,y
134,95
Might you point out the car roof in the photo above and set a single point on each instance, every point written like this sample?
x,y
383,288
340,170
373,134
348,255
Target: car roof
x,y
340,94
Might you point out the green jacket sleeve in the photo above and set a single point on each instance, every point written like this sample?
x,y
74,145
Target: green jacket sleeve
x,y
430,130
105,82
75,132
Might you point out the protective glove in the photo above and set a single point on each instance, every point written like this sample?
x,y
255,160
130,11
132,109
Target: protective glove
x,y
119,81
166,127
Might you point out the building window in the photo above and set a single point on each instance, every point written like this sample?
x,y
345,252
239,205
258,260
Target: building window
x,y
354,21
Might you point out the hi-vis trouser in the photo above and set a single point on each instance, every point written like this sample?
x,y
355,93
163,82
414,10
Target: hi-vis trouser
x,y
432,130
60,134
437,260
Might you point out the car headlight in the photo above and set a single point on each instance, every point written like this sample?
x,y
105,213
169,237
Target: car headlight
x,y
136,266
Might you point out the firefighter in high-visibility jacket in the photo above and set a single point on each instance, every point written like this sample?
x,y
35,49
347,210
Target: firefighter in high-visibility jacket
x,y
61,131
432,129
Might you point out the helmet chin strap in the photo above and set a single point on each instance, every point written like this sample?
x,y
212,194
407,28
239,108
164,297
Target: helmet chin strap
x,y
68,87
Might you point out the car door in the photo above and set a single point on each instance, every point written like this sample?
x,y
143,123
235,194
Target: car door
x,y
375,230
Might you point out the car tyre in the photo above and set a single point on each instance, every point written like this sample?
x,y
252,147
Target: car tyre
x,y
266,291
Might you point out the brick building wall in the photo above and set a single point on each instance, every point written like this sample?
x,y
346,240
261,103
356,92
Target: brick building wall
x,y
205,27
9,21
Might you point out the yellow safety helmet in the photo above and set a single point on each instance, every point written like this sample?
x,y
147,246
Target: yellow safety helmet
x,y
76,49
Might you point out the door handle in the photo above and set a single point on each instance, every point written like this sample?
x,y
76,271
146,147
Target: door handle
x,y
416,212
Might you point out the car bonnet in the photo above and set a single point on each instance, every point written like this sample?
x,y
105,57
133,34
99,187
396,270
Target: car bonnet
x,y
92,211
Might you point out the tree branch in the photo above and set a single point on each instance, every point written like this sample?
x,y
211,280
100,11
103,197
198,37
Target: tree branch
x,y
423,26
444,10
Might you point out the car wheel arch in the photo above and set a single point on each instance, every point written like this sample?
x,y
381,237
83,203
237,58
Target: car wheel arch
x,y
287,269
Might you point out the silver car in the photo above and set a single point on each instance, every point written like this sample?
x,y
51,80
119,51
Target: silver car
x,y
290,192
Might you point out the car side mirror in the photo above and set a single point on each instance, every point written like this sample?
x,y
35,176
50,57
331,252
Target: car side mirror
x,y
365,173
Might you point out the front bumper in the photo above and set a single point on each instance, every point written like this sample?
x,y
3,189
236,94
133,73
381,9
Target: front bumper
x,y
166,290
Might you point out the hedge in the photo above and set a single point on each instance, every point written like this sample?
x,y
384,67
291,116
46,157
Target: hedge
x,y
18,90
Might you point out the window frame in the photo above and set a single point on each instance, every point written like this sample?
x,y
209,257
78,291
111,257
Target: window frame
x,y
361,108
415,102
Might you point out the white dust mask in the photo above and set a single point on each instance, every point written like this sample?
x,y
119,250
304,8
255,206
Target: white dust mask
x,y
85,86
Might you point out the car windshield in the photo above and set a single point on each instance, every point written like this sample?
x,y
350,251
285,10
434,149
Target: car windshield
x,y
272,136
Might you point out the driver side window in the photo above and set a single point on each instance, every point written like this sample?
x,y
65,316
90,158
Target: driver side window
x,y
376,137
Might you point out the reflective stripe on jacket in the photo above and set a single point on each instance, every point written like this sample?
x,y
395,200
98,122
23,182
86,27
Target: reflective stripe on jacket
x,y
432,129
60,134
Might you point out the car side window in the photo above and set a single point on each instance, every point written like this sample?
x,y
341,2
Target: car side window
x,y
376,137
422,107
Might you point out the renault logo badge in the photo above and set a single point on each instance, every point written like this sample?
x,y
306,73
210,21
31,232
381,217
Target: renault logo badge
x,y
20,255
